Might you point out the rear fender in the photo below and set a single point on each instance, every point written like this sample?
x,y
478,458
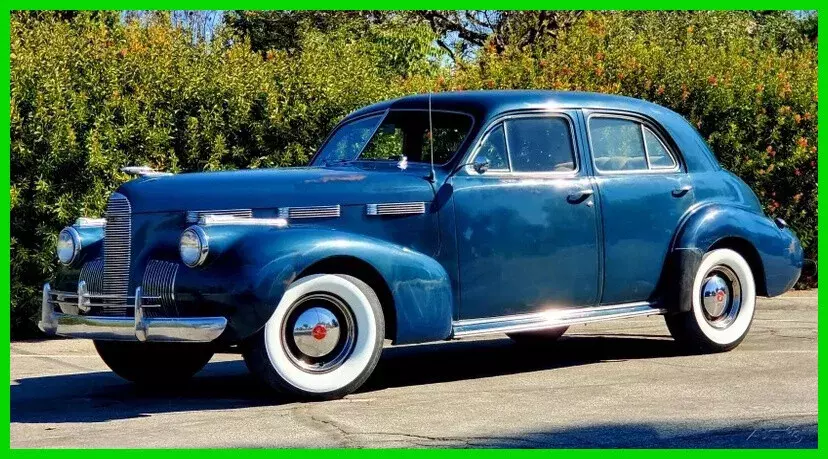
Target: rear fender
x,y
774,253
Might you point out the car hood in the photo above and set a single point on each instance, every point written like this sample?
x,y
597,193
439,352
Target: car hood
x,y
271,188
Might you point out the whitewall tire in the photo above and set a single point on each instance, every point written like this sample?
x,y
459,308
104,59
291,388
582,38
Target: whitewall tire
x,y
723,303
323,340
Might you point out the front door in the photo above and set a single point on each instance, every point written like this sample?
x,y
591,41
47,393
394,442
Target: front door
x,y
527,228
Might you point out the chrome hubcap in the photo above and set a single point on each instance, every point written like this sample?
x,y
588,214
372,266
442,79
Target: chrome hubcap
x,y
721,296
316,332
319,332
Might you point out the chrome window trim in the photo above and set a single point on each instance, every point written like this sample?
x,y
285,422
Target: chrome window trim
x,y
469,169
644,129
643,123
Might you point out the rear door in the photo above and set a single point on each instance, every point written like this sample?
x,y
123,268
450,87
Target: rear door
x,y
644,192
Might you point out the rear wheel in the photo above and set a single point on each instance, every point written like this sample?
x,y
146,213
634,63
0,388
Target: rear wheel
x,y
154,363
538,337
323,340
724,299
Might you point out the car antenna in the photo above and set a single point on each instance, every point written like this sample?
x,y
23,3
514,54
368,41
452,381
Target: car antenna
x,y
432,175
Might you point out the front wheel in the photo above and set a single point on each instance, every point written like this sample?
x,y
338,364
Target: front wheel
x,y
154,363
724,299
323,340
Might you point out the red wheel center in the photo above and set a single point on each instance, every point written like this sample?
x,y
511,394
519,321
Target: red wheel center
x,y
319,331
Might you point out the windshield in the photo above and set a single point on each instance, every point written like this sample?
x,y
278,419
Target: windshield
x,y
400,133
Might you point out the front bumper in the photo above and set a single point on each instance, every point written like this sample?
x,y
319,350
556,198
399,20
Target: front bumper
x,y
70,322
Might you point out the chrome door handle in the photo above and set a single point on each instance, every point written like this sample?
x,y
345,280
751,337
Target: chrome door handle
x,y
579,196
682,191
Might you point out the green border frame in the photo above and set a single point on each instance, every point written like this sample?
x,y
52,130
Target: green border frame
x,y
822,175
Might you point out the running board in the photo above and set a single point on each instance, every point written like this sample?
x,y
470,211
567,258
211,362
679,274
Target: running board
x,y
552,319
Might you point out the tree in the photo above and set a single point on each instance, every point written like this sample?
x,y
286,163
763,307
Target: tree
x,y
282,30
463,32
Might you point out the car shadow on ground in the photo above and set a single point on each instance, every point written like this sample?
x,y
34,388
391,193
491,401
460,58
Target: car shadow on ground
x,y
738,434
102,396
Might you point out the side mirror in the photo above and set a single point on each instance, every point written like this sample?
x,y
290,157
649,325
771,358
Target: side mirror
x,y
481,165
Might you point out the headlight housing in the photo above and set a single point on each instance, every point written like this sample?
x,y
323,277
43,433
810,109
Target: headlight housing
x,y
193,246
68,245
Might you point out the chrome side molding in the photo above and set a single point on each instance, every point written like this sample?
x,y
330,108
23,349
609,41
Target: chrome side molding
x,y
194,215
395,208
137,328
213,220
552,319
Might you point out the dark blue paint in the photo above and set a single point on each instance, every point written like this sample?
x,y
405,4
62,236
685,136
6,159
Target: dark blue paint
x,y
488,245
640,216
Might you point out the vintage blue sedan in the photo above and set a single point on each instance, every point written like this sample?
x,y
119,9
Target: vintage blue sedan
x,y
420,219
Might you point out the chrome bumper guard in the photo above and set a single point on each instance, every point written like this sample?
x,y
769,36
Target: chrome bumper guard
x,y
69,322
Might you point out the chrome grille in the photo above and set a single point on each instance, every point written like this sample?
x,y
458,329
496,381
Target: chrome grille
x,y
159,281
117,246
92,274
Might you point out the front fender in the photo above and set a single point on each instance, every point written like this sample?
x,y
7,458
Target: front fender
x,y
779,252
257,264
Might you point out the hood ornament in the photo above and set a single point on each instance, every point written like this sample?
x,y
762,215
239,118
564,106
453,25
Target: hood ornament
x,y
144,171
403,163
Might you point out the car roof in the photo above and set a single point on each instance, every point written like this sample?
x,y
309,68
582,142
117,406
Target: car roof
x,y
487,104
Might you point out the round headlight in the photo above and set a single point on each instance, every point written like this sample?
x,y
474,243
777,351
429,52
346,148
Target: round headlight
x,y
193,246
68,245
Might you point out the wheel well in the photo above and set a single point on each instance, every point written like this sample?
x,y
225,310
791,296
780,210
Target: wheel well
x,y
363,271
749,253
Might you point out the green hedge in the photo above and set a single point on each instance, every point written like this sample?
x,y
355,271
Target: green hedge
x,y
91,94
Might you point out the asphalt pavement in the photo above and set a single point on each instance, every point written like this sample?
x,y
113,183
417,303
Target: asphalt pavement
x,y
615,384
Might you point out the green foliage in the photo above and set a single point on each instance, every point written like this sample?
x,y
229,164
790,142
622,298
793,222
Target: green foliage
x,y
754,103
90,96
91,93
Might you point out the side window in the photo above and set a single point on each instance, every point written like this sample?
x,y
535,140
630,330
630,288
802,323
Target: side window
x,y
620,144
660,157
617,144
493,148
542,144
